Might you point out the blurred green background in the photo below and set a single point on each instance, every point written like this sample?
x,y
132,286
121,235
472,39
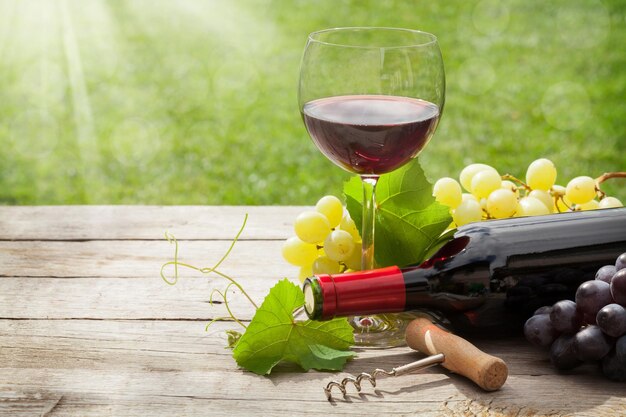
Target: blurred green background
x,y
194,101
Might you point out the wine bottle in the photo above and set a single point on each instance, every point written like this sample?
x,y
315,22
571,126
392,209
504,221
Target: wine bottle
x,y
493,273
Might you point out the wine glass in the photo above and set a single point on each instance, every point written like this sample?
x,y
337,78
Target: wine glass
x,y
371,99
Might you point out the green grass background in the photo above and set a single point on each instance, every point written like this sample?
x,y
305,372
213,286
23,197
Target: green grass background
x,y
194,101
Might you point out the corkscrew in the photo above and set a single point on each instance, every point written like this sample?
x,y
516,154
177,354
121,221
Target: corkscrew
x,y
401,370
452,352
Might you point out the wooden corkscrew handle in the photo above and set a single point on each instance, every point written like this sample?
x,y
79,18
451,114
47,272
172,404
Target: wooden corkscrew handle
x,y
461,356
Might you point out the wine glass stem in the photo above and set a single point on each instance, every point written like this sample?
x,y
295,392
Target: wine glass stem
x,y
369,221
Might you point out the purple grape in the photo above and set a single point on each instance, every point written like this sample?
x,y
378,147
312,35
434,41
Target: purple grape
x,y
564,317
591,344
539,330
589,319
542,310
618,286
620,348
606,273
591,296
612,320
563,353
614,367
620,263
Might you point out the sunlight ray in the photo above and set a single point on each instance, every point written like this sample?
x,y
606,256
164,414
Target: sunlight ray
x,y
7,17
230,22
99,39
83,115
38,81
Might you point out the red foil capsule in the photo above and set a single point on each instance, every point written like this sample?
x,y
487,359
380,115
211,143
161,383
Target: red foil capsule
x,y
366,292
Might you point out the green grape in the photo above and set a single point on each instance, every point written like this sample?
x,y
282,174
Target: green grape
x,y
581,190
331,207
509,185
354,260
560,203
467,174
501,203
589,205
325,265
311,226
468,196
541,174
339,245
484,182
483,204
531,206
610,202
467,212
447,192
348,225
557,190
299,253
305,272
544,197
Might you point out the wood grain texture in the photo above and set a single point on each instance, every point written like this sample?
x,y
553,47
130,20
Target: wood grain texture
x,y
88,328
139,259
130,367
144,222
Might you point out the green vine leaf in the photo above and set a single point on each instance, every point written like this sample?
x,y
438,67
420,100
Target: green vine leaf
x,y
409,221
273,336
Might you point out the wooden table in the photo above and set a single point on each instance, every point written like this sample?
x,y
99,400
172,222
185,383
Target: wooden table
x,y
88,327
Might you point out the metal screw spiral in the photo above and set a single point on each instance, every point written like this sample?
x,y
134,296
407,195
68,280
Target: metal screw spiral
x,y
356,381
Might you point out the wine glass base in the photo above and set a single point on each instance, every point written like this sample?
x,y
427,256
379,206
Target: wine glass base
x,y
380,331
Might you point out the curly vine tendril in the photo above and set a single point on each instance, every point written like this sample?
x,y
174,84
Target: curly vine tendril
x,y
207,270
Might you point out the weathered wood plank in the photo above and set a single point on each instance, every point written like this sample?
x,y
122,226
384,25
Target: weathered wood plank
x,y
124,298
367,405
130,286
180,345
102,264
165,368
144,222
120,279
139,259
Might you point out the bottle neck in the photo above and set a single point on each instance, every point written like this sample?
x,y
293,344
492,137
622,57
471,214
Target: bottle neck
x,y
391,290
381,290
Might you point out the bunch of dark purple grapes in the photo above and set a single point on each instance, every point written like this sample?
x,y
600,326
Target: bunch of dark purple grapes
x,y
592,329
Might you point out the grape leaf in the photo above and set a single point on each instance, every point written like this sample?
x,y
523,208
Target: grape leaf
x,y
273,336
409,221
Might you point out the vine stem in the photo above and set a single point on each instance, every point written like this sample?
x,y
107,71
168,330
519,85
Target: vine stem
x,y
516,180
609,175
205,271
171,239
604,177
224,296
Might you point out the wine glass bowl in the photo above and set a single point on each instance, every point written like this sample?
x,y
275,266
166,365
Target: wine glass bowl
x,y
371,99
370,134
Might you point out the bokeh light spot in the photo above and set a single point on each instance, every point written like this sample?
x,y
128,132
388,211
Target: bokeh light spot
x,y
566,105
135,142
34,133
491,17
585,25
476,76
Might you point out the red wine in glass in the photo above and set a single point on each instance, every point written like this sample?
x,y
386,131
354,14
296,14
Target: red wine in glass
x,y
370,134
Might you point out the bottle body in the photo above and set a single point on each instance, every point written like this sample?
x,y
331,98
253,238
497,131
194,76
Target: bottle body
x,y
490,274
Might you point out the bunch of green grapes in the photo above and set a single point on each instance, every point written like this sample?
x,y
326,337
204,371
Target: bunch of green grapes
x,y
326,240
490,195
